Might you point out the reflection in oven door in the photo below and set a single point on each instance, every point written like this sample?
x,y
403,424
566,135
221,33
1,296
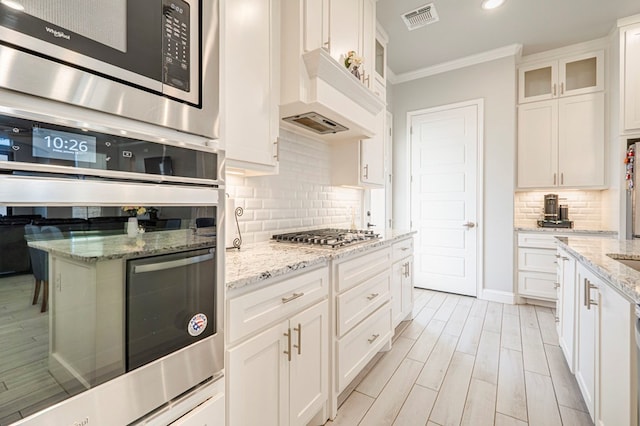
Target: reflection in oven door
x,y
170,304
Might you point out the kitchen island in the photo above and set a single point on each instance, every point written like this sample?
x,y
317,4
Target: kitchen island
x,y
307,320
596,323
87,276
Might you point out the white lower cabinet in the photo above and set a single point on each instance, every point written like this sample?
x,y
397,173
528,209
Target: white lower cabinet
x,y
280,376
364,281
600,331
566,306
537,266
402,281
587,336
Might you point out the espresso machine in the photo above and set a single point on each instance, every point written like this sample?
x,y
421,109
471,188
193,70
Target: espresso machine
x,y
555,215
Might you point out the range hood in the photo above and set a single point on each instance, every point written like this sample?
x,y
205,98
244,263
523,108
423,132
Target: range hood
x,y
324,99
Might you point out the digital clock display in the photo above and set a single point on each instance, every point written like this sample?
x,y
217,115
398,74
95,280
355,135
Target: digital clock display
x,y
75,147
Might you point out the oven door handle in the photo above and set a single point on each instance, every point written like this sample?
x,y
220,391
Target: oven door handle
x,y
161,266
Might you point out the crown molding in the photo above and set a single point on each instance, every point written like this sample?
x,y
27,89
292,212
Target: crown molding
x,y
490,55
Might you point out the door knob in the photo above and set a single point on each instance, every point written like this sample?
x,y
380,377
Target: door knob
x,y
469,225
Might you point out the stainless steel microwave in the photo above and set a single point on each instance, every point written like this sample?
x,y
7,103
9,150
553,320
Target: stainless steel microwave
x,y
142,59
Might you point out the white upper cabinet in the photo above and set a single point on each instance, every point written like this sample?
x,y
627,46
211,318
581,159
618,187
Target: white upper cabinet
x,y
569,76
251,84
630,69
316,24
561,143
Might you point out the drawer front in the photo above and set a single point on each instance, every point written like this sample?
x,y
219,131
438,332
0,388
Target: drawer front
x,y
537,284
352,272
402,249
357,303
537,240
358,347
255,310
536,259
208,413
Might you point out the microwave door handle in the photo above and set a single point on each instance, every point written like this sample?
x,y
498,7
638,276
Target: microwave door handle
x,y
161,266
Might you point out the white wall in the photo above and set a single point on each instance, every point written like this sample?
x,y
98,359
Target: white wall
x,y
495,82
299,197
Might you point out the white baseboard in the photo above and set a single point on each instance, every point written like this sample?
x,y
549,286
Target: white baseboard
x,y
498,296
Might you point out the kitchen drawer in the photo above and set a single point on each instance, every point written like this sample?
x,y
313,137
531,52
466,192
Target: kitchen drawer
x,y
257,309
352,272
539,285
402,249
356,304
539,240
359,346
537,259
209,413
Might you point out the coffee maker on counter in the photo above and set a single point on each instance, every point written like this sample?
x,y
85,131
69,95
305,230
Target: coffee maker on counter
x,y
555,215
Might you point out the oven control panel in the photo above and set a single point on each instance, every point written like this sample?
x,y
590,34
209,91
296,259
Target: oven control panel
x,y
176,44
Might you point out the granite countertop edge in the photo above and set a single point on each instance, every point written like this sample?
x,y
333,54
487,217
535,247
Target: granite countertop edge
x,y
594,254
258,262
565,230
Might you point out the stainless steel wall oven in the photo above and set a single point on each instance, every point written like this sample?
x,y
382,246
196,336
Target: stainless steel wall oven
x,y
109,267
152,60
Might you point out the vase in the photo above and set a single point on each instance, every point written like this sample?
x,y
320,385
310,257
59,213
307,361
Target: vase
x,y
132,227
356,73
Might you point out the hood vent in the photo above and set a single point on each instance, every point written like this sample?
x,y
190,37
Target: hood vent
x,y
316,123
327,101
424,15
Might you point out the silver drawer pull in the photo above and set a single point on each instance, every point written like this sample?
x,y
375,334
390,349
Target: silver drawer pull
x,y
373,338
292,297
404,248
373,296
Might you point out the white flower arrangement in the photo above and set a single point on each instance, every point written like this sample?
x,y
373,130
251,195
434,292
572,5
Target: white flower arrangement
x,y
352,61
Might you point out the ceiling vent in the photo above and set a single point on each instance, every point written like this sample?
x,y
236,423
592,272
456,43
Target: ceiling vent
x,y
424,15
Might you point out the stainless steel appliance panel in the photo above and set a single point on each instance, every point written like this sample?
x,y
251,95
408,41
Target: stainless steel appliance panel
x,y
102,87
170,304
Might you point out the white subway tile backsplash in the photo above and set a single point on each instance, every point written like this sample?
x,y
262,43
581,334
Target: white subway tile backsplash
x,y
299,197
585,208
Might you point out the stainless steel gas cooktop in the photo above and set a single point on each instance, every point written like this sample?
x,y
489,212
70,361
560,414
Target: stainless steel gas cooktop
x,y
327,237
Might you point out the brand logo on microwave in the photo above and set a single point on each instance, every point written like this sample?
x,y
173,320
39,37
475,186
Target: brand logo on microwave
x,y
58,34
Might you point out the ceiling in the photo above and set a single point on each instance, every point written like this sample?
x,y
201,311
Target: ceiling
x,y
466,29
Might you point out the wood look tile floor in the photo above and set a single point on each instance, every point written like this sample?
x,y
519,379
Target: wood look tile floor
x,y
463,361
25,383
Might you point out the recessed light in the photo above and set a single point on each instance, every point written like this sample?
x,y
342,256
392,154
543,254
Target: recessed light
x,y
491,4
12,4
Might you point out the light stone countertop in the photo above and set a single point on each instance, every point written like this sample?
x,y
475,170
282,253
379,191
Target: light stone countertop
x,y
567,231
593,252
254,263
92,249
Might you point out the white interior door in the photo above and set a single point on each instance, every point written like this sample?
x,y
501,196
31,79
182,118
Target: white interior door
x,y
444,169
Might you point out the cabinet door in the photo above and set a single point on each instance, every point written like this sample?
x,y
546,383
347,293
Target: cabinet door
x,y
538,144
407,288
581,140
631,84
587,337
581,74
368,38
537,82
309,373
344,27
617,360
316,24
258,379
567,307
397,271
372,155
251,81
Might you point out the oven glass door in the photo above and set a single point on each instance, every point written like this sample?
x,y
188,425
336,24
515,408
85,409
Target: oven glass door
x,y
63,295
170,304
148,43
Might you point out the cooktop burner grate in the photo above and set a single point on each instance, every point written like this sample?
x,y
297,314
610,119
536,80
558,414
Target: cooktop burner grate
x,y
327,237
